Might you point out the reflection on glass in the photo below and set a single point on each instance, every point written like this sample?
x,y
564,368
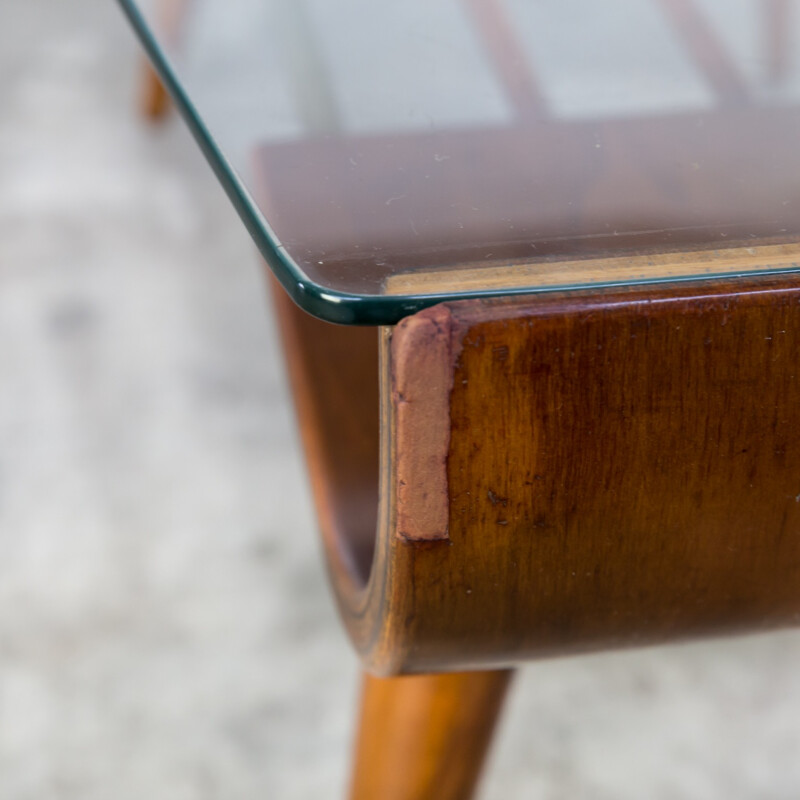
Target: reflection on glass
x,y
384,140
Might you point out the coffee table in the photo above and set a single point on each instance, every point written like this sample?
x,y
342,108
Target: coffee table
x,y
558,409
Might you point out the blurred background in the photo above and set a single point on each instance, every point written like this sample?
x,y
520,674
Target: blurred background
x,y
166,630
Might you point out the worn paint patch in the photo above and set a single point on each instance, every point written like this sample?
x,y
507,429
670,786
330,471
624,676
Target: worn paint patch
x,y
424,351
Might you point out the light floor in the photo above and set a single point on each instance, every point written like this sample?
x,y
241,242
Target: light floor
x,y
166,631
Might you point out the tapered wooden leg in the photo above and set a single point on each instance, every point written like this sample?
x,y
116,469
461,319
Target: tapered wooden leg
x,y
154,100
425,737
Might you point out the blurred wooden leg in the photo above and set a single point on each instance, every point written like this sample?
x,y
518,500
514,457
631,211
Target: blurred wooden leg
x,y
425,737
154,101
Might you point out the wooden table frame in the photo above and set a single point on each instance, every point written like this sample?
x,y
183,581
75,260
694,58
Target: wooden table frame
x,y
547,474
500,480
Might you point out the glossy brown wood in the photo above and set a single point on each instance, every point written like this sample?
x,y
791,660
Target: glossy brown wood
x,y
425,737
622,468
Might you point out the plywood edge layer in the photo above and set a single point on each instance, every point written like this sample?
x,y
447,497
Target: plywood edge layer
x,y
730,261
424,348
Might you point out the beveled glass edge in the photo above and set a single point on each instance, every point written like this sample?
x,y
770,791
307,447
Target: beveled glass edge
x,y
327,304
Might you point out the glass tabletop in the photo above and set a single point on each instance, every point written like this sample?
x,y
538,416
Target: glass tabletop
x,y
388,154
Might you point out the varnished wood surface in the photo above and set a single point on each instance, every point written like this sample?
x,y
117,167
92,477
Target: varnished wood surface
x,y
425,737
621,468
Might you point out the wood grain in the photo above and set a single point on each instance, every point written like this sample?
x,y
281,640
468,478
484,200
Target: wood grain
x,y
623,468
425,737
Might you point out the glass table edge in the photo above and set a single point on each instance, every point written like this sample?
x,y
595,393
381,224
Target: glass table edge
x,y
331,305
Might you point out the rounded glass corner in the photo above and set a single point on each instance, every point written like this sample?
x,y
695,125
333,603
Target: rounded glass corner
x,y
504,273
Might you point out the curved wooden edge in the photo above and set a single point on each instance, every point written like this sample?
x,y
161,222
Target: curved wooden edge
x,y
620,469
346,407
333,371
